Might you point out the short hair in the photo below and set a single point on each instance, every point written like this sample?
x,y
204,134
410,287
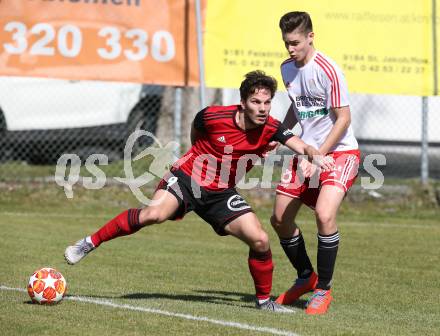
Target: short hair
x,y
296,20
255,80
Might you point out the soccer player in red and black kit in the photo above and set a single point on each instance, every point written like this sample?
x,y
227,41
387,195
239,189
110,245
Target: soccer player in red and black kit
x,y
204,180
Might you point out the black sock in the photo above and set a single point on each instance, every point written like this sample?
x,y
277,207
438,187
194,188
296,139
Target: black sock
x,y
327,251
295,250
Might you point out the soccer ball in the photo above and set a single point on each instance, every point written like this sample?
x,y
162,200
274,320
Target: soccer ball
x,y
47,286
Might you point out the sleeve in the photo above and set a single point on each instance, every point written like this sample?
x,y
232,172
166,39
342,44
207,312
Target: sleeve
x,y
343,89
199,123
282,134
337,90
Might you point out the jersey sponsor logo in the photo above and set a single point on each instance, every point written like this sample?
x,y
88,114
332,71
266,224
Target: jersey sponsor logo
x,y
237,203
287,132
308,101
311,114
222,139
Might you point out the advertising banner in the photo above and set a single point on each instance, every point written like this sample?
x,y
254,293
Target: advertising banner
x,y
382,47
148,41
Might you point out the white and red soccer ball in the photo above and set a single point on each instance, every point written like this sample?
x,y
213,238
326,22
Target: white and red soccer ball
x,y
47,286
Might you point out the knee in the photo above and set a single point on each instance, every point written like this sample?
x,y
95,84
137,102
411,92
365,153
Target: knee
x,y
282,227
276,222
260,243
324,218
151,215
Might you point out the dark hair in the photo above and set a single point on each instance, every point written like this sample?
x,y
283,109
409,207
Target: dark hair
x,y
257,80
296,20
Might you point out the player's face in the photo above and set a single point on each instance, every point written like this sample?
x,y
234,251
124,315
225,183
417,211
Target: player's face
x,y
257,107
299,45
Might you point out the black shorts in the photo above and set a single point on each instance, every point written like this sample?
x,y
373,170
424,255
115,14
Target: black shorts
x,y
218,208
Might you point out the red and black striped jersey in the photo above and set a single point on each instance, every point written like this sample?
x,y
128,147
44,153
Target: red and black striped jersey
x,y
222,152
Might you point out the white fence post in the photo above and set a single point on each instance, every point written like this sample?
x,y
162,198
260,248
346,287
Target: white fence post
x,y
178,119
424,157
200,55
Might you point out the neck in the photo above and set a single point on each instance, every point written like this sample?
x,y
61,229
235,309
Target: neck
x,y
307,59
243,121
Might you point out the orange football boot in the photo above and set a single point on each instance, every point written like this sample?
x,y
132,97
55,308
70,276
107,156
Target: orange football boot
x,y
300,287
319,302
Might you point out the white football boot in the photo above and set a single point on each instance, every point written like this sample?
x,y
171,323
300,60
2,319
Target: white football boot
x,y
75,253
272,306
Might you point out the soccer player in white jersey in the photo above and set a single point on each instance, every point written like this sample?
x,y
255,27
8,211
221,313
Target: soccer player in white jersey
x,y
319,95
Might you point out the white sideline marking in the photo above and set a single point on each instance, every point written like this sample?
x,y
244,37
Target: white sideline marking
x,y
50,215
104,217
111,304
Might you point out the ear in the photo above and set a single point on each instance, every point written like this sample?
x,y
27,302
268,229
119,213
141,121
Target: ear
x,y
242,103
311,36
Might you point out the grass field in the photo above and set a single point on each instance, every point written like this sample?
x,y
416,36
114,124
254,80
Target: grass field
x,y
179,278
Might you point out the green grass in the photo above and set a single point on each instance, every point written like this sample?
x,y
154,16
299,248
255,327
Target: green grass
x,y
21,171
386,279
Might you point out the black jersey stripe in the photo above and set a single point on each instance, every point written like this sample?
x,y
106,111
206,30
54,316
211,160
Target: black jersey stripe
x,y
209,115
218,118
221,111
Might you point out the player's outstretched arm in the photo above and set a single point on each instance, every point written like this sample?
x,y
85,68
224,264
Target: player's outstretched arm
x,y
290,120
299,146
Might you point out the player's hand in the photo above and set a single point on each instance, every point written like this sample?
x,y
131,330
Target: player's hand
x,y
326,163
273,145
307,168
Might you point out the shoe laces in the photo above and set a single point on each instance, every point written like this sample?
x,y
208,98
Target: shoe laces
x,y
85,247
317,298
273,306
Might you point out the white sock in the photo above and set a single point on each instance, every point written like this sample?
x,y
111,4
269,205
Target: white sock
x,y
263,301
89,240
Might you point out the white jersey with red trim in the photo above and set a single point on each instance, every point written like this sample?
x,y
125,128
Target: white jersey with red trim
x,y
314,90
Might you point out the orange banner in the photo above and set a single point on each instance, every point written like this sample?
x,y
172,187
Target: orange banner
x,y
147,41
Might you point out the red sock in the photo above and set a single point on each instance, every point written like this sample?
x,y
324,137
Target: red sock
x,y
123,224
261,268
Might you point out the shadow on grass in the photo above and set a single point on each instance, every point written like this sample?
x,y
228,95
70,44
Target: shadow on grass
x,y
300,304
36,304
204,296
224,298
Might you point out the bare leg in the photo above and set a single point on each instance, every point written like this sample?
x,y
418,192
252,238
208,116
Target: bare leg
x,y
291,240
164,205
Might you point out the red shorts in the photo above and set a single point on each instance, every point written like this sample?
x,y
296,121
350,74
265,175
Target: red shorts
x,y
307,189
